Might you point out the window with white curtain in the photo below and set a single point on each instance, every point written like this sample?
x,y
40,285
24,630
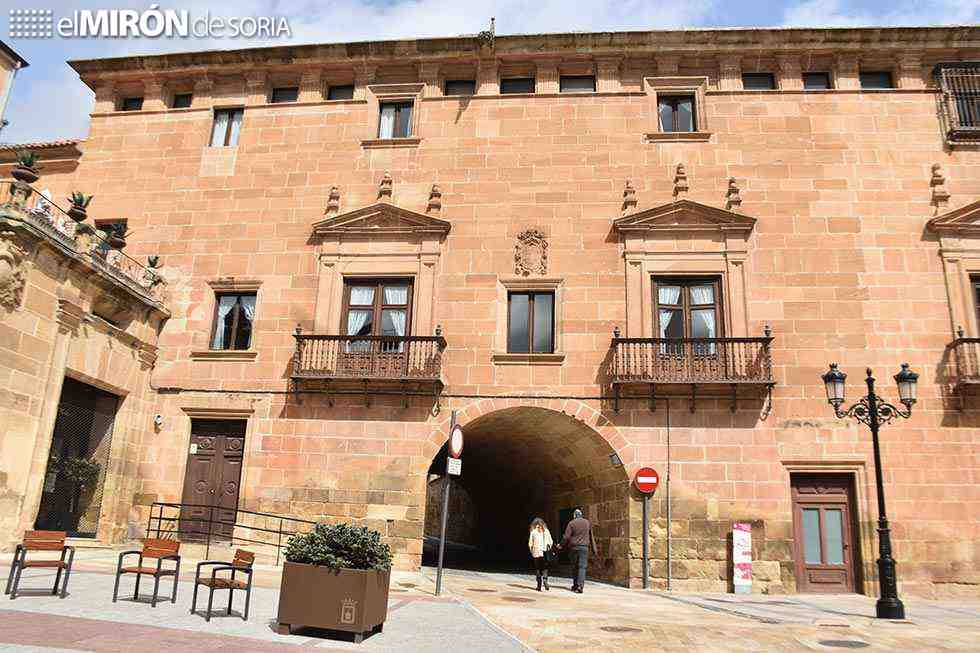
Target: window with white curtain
x,y
227,125
687,308
377,307
234,316
396,120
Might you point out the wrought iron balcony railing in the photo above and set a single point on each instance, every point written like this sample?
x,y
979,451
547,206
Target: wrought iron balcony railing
x,y
959,103
369,358
692,361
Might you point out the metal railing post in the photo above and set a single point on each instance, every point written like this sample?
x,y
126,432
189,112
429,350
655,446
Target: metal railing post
x,y
279,543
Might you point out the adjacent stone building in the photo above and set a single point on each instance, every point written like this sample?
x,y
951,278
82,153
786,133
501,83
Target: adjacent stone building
x,y
593,251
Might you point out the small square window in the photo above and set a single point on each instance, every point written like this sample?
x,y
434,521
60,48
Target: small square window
x,y
132,104
877,79
234,316
285,94
460,87
676,113
758,81
511,85
577,83
345,92
816,81
396,120
531,322
227,126
182,100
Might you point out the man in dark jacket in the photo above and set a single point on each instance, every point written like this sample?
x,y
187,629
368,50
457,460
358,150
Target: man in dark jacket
x,y
578,539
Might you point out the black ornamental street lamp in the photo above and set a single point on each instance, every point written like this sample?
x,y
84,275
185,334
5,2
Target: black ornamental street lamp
x,y
874,411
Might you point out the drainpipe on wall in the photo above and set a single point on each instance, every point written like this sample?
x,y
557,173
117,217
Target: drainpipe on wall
x,y
668,494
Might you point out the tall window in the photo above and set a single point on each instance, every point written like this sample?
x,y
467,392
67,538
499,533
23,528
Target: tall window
x,y
976,297
688,308
345,92
531,322
511,85
182,100
396,120
576,83
233,320
876,79
758,81
227,125
460,87
816,81
131,104
676,113
377,307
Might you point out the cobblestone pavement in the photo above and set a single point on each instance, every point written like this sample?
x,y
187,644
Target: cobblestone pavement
x,y
612,618
477,612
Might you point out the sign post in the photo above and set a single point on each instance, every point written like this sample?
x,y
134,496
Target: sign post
x,y
646,481
453,468
742,557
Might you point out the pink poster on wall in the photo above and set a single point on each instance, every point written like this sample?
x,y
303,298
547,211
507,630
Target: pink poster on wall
x,y
742,557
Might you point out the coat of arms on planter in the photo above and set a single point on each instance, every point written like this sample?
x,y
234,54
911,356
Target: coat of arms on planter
x,y
531,253
348,611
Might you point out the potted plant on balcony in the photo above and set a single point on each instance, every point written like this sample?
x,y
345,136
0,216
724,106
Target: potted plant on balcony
x,y
26,168
116,238
79,205
335,577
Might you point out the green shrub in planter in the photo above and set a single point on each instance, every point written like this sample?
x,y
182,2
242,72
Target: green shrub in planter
x,y
335,577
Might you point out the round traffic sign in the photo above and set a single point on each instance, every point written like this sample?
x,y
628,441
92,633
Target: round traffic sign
x,y
456,441
646,480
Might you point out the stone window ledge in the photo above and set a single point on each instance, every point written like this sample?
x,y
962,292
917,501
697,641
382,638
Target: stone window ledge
x,y
390,142
224,355
678,137
506,358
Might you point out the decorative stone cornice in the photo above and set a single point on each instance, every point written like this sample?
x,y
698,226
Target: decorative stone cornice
x,y
380,218
745,42
70,316
684,216
964,221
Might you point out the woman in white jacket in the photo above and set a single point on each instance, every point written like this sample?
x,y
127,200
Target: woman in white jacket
x,y
539,543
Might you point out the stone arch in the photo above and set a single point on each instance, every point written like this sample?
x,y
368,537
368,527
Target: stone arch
x,y
527,458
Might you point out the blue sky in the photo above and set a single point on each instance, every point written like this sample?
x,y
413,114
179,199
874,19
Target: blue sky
x,y
49,102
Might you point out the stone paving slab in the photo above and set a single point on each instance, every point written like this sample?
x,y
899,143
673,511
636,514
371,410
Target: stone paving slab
x,y
88,620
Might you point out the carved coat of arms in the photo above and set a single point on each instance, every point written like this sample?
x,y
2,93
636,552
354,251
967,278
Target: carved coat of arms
x,y
531,253
348,611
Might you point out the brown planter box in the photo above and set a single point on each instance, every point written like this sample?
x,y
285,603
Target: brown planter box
x,y
352,600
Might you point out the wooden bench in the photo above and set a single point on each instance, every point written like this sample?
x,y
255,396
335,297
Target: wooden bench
x,y
242,563
41,541
152,548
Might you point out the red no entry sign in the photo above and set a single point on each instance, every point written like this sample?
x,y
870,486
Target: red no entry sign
x,y
646,480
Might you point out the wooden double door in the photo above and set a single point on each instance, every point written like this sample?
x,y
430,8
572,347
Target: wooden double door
x,y
212,478
825,542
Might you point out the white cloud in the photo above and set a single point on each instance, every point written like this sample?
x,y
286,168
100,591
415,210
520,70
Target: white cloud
x,y
49,101
834,13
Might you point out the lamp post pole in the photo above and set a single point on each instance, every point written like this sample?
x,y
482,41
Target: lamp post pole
x,y
874,411
889,606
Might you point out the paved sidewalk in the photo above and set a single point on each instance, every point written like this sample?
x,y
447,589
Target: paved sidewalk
x,y
88,620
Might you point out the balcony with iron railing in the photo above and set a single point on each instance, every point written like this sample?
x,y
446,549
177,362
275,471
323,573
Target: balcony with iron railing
x,y
959,100
698,365
67,230
370,360
964,375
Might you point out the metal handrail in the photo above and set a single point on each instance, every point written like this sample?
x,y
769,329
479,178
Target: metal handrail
x,y
67,226
966,351
236,525
692,360
401,358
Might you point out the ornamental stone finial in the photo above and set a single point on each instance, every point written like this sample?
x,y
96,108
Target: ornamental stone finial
x,y
385,187
733,197
629,197
333,201
680,180
940,196
435,200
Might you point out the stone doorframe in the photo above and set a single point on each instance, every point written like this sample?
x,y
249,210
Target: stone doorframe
x,y
864,520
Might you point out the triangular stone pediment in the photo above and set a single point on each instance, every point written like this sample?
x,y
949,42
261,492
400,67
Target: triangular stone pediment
x,y
962,221
380,218
684,215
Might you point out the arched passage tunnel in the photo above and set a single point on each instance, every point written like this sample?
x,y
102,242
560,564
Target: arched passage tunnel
x,y
523,462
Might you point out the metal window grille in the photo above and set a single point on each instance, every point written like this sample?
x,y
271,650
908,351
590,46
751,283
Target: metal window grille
x,y
959,100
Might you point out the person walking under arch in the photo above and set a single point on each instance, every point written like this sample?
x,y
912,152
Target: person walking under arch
x,y
578,539
539,543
